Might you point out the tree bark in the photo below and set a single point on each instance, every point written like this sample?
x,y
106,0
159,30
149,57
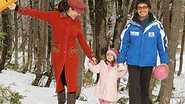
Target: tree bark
x,y
16,64
41,46
122,13
181,52
167,84
49,45
154,6
6,27
101,42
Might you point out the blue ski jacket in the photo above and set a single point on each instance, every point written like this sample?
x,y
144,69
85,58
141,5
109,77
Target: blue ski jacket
x,y
141,46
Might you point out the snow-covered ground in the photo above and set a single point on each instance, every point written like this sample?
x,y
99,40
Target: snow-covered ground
x,y
41,95
32,94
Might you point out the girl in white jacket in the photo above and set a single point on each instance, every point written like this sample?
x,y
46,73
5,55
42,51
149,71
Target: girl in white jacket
x,y
110,71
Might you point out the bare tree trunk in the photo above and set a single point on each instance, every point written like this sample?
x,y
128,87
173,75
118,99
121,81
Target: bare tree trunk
x,y
91,10
80,68
6,27
154,6
16,64
100,38
48,59
24,41
120,22
181,51
121,13
166,24
41,48
154,11
37,49
167,84
32,40
110,21
100,29
132,7
49,45
29,61
27,39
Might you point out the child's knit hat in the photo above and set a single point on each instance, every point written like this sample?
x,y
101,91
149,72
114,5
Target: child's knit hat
x,y
114,52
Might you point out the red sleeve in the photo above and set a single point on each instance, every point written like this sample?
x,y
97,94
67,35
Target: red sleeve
x,y
42,15
84,44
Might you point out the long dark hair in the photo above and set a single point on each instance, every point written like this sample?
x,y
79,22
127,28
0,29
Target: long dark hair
x,y
63,6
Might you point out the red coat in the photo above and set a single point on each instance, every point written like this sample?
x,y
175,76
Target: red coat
x,y
64,52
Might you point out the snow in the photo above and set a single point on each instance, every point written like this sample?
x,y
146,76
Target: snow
x,y
37,95
41,95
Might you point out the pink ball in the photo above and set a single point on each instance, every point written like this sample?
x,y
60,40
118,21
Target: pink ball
x,y
160,72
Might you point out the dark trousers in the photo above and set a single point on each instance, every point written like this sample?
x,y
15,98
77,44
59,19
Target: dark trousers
x,y
139,82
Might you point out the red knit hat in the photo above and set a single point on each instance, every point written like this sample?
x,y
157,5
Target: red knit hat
x,y
114,52
77,5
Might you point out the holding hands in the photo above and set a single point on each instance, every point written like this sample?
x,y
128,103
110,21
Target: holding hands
x,y
93,61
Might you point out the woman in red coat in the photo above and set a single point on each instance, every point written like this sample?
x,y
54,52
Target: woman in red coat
x,y
66,29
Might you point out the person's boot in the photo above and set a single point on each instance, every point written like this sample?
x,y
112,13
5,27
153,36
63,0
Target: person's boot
x,y
71,98
61,97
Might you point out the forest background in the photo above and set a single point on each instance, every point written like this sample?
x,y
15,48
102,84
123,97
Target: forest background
x,y
103,22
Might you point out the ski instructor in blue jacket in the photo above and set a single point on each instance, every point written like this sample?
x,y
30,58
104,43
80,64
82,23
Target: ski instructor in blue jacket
x,y
142,40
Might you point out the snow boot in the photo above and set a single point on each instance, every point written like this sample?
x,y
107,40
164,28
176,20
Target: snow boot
x,y
71,98
61,97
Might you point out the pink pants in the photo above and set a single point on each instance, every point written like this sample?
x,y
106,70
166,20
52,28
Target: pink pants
x,y
104,101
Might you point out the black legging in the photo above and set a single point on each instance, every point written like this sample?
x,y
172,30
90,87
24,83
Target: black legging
x,y
63,78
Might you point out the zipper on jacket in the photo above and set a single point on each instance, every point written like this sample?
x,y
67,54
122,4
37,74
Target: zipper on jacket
x,y
141,47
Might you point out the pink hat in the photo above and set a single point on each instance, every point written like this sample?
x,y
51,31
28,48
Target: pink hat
x,y
114,52
77,5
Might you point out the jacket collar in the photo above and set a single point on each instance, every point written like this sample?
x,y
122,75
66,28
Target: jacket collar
x,y
133,21
64,15
152,21
151,17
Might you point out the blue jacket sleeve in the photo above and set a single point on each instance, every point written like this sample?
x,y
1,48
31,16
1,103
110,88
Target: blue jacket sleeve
x,y
162,45
125,40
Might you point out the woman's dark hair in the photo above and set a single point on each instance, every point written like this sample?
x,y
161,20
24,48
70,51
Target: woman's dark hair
x,y
143,1
63,6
